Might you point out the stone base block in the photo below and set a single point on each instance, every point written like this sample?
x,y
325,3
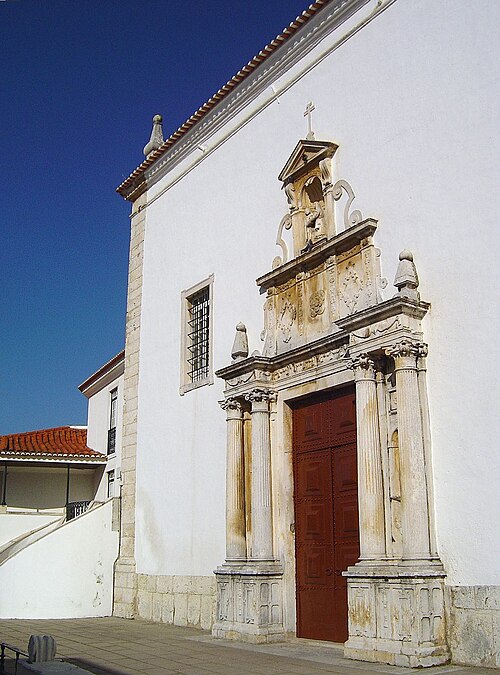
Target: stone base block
x,y
178,600
125,589
397,615
250,603
474,625
395,652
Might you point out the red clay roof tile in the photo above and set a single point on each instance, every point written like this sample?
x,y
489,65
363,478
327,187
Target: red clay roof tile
x,y
58,443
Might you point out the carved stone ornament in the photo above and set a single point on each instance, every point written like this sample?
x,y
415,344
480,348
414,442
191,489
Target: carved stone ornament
x,y
354,217
290,195
286,319
285,224
351,287
240,344
405,348
406,280
156,139
231,404
325,167
363,362
260,396
317,304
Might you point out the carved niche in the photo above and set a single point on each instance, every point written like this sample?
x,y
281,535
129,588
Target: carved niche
x,y
333,268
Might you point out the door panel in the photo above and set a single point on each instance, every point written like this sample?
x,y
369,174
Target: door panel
x,y
326,513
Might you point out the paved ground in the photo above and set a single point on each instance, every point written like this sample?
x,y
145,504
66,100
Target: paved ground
x,y
113,646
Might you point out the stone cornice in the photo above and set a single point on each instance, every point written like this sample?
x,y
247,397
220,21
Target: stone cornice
x,y
338,244
384,310
231,100
270,364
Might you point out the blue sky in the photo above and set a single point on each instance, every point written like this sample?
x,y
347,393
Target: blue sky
x,y
79,84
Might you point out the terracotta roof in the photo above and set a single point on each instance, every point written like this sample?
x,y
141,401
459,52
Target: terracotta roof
x,y
69,443
269,49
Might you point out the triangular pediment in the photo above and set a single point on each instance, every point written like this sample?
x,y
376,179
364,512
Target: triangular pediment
x,y
306,154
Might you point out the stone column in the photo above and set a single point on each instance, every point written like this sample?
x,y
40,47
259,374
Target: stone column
x,y
370,483
414,504
426,428
236,547
261,516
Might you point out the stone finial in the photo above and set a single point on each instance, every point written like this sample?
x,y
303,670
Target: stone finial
x,y
156,136
240,344
406,280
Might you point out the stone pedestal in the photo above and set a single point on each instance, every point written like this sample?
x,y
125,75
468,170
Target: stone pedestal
x,y
250,602
397,615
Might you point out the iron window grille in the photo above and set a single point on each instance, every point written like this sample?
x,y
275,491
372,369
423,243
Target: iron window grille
x,y
111,483
112,422
198,335
111,440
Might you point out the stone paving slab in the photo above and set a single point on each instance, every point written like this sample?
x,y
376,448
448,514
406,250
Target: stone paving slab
x,y
113,646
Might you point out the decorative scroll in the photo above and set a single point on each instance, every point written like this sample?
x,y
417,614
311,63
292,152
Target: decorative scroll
x,y
286,223
356,216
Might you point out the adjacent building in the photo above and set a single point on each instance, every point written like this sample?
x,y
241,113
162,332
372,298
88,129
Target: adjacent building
x,y
59,504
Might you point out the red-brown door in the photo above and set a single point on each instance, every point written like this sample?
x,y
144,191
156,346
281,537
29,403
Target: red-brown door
x,y
326,512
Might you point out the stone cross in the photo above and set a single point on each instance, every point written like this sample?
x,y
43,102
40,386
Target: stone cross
x,y
308,113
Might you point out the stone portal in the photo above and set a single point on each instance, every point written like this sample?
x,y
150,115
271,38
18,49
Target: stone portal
x,y
327,327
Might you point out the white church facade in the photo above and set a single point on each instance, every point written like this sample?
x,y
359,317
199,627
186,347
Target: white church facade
x,y
310,421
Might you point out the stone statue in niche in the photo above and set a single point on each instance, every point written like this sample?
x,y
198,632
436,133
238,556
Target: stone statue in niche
x,y
314,205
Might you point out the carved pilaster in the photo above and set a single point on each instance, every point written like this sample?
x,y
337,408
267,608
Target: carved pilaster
x,y
261,547
413,475
370,482
236,547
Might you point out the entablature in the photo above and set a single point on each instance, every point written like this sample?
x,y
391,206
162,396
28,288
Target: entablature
x,y
340,243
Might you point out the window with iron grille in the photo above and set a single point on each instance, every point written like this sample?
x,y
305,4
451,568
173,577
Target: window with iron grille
x,y
112,422
111,483
196,367
198,335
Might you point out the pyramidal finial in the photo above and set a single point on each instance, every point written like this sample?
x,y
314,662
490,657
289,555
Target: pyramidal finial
x,y
240,344
406,280
156,136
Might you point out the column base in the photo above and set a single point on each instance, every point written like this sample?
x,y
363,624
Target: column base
x,y
397,615
250,602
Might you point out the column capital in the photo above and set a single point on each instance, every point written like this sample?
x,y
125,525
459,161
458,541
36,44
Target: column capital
x,y
364,367
260,396
406,352
232,406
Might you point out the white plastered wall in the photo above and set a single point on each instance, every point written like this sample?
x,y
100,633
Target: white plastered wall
x,y
97,432
78,582
410,101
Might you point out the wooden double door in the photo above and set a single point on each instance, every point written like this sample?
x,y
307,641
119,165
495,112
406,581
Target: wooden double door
x,y
326,512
